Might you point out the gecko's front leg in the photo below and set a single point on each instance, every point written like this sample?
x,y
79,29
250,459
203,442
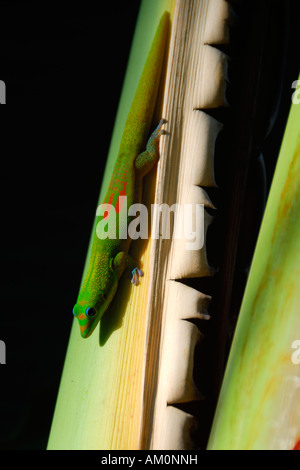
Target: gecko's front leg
x,y
123,261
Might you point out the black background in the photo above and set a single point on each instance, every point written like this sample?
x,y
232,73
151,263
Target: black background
x,y
63,65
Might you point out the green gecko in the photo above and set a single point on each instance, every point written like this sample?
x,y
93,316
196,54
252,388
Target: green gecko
x,y
109,256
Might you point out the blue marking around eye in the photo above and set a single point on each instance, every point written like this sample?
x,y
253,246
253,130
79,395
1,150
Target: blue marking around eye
x,y
90,312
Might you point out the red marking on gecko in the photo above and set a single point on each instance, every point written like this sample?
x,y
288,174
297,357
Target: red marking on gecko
x,y
297,446
106,213
118,206
121,193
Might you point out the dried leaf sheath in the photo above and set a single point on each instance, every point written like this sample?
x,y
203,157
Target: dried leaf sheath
x,y
196,78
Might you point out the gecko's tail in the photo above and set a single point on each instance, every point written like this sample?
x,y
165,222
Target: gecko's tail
x,y
142,109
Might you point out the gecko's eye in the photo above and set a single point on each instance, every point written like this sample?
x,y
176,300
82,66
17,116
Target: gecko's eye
x,y
91,312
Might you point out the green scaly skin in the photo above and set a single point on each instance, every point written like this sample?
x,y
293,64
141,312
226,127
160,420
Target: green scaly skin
x,y
109,256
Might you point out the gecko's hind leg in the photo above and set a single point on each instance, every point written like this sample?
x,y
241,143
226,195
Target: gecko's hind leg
x,y
147,159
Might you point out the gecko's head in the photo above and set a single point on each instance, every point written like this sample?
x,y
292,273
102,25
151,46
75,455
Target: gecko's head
x,y
89,313
95,296
87,318
89,309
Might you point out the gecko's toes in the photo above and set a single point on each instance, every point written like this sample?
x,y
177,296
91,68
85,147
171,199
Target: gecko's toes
x,y
136,274
135,280
159,130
